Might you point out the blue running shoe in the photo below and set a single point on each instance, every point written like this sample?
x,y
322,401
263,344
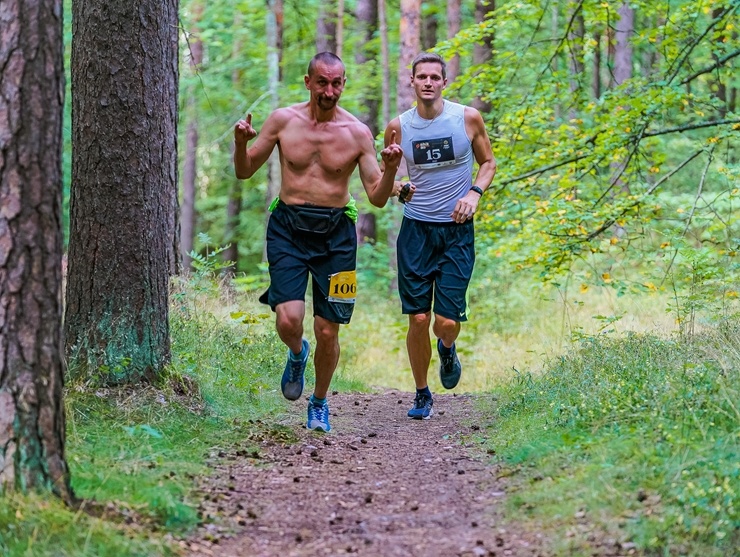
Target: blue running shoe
x,y
292,382
318,417
422,408
450,367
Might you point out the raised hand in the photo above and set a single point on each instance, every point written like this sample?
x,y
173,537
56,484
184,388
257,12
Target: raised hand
x,y
393,153
243,130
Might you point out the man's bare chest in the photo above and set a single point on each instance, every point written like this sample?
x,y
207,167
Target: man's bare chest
x,y
333,149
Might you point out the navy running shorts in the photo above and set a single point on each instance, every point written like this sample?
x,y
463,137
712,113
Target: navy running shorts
x,y
322,241
435,263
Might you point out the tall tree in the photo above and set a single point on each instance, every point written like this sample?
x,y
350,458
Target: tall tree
x,y
274,56
326,27
453,28
623,48
410,39
384,61
576,36
429,26
187,208
234,202
366,14
124,186
31,364
483,51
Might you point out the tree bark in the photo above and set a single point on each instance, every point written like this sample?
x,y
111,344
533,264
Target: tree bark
x,y
453,28
274,55
189,172
32,431
429,29
385,62
410,44
623,49
367,17
124,187
326,27
483,52
596,67
234,203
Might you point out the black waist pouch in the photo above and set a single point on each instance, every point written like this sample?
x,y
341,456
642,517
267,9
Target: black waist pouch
x,y
313,220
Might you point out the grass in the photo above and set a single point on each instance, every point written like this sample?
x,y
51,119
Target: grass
x,y
627,435
637,439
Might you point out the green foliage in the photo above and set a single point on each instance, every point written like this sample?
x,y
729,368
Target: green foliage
x,y
648,431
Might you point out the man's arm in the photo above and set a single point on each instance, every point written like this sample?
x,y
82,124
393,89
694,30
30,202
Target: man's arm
x,y
379,187
481,148
248,160
476,130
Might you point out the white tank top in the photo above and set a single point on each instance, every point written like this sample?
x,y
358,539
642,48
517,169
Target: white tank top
x,y
439,156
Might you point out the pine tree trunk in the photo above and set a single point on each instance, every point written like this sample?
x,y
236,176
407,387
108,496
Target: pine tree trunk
x,y
483,53
623,49
31,366
124,187
187,209
326,27
453,28
366,14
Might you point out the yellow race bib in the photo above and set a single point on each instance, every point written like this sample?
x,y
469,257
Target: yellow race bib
x,y
343,287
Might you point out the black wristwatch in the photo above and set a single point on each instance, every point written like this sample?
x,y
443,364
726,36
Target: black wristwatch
x,y
477,190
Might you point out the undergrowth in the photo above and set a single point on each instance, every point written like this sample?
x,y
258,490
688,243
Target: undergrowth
x,y
636,439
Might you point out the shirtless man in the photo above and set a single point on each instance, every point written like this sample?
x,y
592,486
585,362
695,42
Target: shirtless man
x,y
312,225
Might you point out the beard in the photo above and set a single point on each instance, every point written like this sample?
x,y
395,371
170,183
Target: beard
x,y
328,103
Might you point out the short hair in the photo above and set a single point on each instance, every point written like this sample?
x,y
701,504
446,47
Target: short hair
x,y
429,57
328,58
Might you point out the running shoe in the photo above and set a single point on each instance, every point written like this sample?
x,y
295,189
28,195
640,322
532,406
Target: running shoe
x,y
318,417
450,368
292,381
422,408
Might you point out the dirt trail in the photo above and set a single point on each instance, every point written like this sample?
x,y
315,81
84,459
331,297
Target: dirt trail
x,y
379,484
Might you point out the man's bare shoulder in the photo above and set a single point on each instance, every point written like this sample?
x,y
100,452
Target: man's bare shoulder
x,y
353,123
284,114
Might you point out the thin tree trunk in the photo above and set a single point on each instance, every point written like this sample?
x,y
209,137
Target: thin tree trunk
x,y
385,62
274,46
366,14
596,66
32,433
187,209
483,53
429,30
623,51
453,28
234,203
340,27
326,27
124,187
576,66
410,44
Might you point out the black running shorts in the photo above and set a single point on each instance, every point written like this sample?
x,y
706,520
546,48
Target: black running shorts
x,y
318,240
435,263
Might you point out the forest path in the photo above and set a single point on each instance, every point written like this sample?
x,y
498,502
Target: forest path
x,y
378,485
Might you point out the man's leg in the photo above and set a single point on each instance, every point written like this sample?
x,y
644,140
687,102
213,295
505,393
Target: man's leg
x,y
446,329
417,345
289,323
326,356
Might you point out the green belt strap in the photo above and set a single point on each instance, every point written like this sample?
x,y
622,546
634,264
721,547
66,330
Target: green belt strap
x,y
350,209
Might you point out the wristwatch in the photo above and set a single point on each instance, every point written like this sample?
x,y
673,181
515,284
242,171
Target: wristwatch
x,y
477,190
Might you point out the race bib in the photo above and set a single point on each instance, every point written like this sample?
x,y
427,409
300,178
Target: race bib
x,y
431,153
343,287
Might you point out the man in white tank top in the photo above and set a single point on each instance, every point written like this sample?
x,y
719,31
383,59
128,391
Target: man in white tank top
x,y
440,140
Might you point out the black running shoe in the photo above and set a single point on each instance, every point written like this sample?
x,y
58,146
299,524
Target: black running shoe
x,y
450,368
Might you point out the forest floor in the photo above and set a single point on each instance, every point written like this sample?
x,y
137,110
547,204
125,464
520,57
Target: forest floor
x,y
378,485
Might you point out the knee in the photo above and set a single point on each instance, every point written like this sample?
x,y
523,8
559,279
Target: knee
x,y
325,331
420,320
444,326
288,323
